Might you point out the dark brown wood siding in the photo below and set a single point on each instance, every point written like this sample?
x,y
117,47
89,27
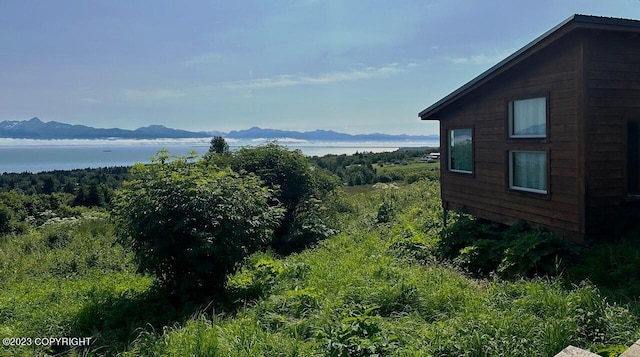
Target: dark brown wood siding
x,y
554,72
612,71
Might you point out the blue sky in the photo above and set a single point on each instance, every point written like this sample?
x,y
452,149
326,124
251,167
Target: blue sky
x,y
350,66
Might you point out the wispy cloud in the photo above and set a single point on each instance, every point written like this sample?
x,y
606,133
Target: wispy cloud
x,y
479,59
152,94
325,78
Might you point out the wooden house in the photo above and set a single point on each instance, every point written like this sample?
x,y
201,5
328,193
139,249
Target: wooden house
x,y
551,134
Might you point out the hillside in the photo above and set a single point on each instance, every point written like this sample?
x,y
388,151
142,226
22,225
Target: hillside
x,y
374,288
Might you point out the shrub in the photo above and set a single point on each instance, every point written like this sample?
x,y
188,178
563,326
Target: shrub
x,y
432,174
484,247
300,188
464,233
360,334
190,224
535,252
384,178
357,175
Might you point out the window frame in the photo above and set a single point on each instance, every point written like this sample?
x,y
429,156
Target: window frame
x,y
449,150
510,178
510,117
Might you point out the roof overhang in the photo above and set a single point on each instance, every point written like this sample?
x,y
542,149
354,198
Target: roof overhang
x,y
560,30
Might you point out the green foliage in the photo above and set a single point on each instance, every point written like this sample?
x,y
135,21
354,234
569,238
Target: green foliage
x,y
256,278
91,187
368,168
372,289
302,190
23,211
5,220
359,334
486,247
50,276
219,146
357,175
413,246
189,224
277,167
613,266
609,351
535,252
431,174
386,210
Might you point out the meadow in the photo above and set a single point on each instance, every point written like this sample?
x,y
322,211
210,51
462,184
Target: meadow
x,y
379,285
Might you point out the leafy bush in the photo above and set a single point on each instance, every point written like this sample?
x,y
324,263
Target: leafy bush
x,y
463,233
484,247
190,224
535,252
384,178
432,174
35,209
359,334
357,175
301,189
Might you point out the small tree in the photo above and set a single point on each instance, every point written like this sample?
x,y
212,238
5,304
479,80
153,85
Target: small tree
x,y
219,146
189,224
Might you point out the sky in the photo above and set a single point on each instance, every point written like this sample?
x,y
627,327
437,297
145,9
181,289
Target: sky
x,y
351,66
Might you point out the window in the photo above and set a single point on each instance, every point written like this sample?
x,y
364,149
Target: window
x,y
528,118
460,151
528,171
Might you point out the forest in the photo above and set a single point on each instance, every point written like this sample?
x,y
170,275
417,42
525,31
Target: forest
x,y
265,252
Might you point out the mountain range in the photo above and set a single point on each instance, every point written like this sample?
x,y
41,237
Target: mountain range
x,y
35,128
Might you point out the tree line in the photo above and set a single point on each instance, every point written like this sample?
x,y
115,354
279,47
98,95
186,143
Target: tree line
x,y
89,187
363,168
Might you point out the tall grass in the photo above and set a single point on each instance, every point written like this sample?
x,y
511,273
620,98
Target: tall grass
x,y
374,289
51,277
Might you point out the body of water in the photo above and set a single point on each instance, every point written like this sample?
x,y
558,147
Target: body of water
x,y
25,155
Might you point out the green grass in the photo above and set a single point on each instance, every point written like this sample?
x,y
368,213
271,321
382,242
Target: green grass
x,y
370,290
408,168
374,288
55,280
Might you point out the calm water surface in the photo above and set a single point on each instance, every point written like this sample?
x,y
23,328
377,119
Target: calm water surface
x,y
46,155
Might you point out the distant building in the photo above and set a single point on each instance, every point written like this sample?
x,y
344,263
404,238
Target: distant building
x,y
432,157
550,135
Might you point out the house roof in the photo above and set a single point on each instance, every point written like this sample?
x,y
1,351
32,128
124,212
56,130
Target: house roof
x,y
560,30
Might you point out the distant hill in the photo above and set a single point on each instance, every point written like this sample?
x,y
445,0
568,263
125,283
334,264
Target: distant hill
x,y
327,135
37,129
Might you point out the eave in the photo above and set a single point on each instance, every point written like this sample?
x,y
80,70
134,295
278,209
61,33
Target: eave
x,y
557,32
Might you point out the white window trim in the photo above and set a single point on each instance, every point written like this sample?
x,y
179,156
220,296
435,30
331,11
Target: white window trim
x,y
511,118
527,189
